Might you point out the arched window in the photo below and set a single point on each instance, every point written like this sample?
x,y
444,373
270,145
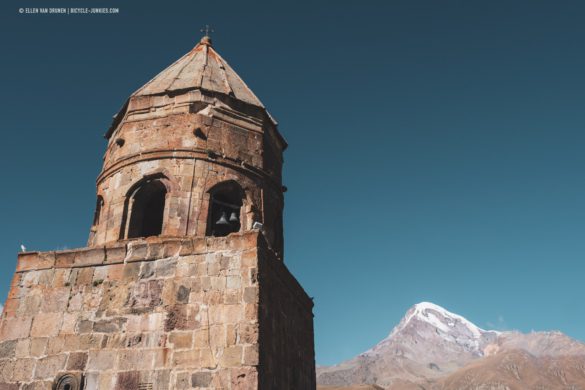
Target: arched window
x,y
224,209
148,207
98,210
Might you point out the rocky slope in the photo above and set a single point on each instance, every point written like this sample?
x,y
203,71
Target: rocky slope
x,y
517,370
431,346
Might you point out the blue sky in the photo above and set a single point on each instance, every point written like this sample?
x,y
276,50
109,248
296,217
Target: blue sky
x,y
436,148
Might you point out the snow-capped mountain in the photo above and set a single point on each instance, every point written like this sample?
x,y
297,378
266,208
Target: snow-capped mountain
x,y
430,343
426,322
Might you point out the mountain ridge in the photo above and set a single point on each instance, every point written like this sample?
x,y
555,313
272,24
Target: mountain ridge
x,y
431,343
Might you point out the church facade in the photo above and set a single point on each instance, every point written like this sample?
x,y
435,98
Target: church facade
x,y
182,284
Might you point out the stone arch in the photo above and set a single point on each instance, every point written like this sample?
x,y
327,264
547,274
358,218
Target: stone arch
x,y
145,207
224,215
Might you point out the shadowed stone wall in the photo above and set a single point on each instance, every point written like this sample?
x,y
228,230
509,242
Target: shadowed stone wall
x,y
287,356
158,314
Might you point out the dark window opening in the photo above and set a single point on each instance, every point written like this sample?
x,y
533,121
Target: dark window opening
x,y
98,210
224,210
148,207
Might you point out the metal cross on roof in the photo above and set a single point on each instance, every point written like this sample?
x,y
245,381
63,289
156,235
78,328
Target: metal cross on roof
x,y
207,30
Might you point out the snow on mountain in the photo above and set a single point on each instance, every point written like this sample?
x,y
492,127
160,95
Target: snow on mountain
x,y
430,342
429,312
426,326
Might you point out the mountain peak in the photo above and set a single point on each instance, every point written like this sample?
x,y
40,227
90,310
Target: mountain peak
x,y
427,324
438,317
430,342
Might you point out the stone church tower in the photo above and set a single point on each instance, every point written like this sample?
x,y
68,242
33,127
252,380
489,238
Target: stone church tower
x,y
182,284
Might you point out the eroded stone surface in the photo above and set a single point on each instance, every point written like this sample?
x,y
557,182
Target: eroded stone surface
x,y
149,317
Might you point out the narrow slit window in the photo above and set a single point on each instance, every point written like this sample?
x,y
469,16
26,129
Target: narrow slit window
x,y
98,211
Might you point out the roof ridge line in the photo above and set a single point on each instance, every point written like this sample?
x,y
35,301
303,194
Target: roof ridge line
x,y
164,70
222,64
227,66
182,69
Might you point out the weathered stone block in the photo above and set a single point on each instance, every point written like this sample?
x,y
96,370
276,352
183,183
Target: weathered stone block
x,y
115,253
38,346
35,261
182,381
48,367
83,342
106,380
248,333
182,317
131,271
109,326
231,357
146,294
8,349
64,259
183,294
11,307
185,359
55,345
199,245
23,348
246,378
84,276
249,258
251,356
15,328
101,360
55,300
147,270
90,256
166,268
136,251
181,340
133,359
161,359
128,380
92,381
115,272
23,370
201,379
251,295
61,277
77,361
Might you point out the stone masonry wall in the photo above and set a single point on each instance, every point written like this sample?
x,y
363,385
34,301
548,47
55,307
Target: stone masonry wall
x,y
157,314
168,146
287,355
193,152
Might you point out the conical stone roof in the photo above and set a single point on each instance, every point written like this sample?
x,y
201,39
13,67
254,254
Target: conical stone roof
x,y
201,68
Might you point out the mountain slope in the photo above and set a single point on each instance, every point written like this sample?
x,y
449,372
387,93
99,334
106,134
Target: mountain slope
x,y
518,370
430,343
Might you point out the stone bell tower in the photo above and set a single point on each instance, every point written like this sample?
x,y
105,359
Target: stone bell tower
x,y
182,284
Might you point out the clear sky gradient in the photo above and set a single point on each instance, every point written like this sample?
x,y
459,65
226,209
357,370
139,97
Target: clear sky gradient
x,y
436,147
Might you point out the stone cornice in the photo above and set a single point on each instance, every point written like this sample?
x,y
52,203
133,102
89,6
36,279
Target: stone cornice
x,y
195,154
